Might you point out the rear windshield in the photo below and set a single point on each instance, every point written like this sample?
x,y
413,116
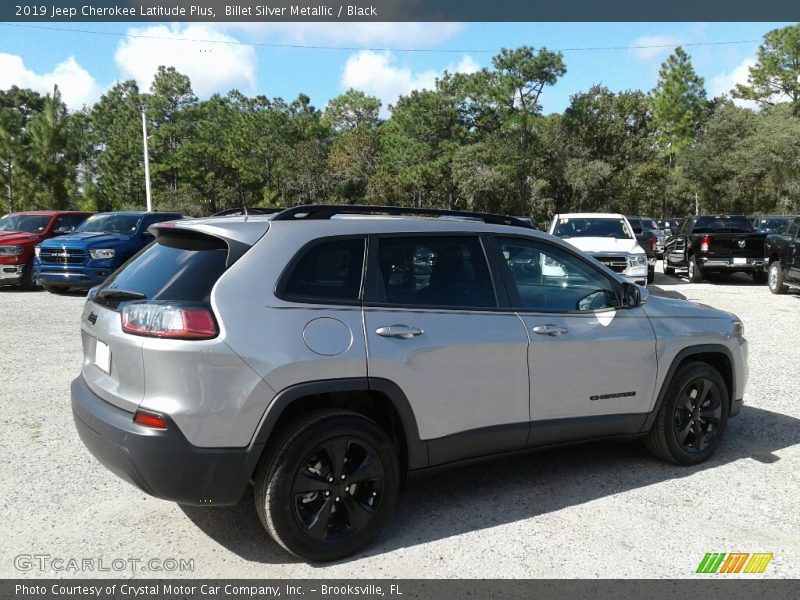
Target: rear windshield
x,y
591,227
722,225
171,269
120,224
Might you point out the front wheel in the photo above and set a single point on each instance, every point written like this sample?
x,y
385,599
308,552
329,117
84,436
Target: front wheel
x,y
27,282
328,486
692,417
695,272
775,278
651,274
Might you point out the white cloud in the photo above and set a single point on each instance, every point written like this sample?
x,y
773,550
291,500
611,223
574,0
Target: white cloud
x,y
650,47
725,82
77,86
406,35
379,74
212,67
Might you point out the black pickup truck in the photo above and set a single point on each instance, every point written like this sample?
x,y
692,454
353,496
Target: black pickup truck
x,y
782,253
716,243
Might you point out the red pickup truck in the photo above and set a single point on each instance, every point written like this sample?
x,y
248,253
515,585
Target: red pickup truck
x,y
20,232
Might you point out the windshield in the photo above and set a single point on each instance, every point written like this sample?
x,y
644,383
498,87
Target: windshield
x,y
592,227
722,225
26,223
120,224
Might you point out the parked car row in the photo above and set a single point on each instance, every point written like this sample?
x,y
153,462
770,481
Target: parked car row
x,y
60,250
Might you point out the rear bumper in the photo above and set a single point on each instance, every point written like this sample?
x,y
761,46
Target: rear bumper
x,y
160,462
728,264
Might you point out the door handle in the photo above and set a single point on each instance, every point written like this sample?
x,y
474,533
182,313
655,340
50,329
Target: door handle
x,y
550,329
398,331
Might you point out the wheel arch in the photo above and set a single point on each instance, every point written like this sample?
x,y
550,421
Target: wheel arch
x,y
715,355
378,399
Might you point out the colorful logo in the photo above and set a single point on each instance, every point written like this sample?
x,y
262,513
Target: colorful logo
x,y
734,562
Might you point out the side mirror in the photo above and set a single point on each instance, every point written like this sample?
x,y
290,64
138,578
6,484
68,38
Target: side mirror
x,y
633,295
63,230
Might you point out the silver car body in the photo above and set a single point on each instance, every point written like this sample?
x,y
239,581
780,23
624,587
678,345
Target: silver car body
x,y
470,371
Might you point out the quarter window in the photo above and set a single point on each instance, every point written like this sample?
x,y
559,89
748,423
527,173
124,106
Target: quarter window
x,y
549,279
446,271
328,271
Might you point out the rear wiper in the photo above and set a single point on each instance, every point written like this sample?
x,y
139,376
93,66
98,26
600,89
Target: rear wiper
x,y
121,295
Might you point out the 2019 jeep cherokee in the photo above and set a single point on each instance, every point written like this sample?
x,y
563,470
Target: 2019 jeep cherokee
x,y
325,355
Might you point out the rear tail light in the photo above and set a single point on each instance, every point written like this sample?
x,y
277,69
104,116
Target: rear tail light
x,y
149,419
168,321
653,243
704,243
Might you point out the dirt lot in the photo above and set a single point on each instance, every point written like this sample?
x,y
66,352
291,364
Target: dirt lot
x,y
603,510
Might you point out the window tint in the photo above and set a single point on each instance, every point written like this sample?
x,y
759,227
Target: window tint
x,y
722,224
434,271
793,228
568,227
549,279
174,269
327,271
69,222
111,223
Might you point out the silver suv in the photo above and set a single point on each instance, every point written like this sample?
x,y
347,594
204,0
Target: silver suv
x,y
324,353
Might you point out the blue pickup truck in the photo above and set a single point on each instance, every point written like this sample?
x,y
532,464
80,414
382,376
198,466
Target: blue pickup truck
x,y
95,249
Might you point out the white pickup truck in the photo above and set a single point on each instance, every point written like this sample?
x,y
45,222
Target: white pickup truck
x,y
608,237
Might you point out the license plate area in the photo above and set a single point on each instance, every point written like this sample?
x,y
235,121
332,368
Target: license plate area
x,y
739,261
102,356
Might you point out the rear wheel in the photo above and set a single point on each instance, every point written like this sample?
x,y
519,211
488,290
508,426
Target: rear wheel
x,y
651,274
760,277
328,486
775,278
667,269
695,271
692,417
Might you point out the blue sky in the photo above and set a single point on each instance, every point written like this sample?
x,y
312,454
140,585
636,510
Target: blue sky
x,y
84,64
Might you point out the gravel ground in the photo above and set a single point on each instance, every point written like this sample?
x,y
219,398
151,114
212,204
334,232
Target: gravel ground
x,y
602,510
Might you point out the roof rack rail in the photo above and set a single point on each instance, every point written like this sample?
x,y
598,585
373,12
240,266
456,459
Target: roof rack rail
x,y
246,210
326,211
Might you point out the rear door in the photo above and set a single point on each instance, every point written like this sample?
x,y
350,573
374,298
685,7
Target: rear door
x,y
433,327
592,366
677,245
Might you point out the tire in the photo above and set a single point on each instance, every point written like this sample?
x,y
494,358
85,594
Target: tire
x,y
695,271
651,274
351,523
696,389
760,277
27,277
775,278
56,289
667,269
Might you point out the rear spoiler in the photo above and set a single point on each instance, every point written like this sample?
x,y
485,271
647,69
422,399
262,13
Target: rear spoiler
x,y
167,234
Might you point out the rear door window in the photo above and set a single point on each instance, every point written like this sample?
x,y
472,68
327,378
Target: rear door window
x,y
433,271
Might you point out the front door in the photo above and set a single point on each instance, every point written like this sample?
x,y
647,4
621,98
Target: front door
x,y
592,365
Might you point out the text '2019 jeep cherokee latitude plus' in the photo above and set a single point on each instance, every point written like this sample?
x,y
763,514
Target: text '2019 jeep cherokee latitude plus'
x,y
325,355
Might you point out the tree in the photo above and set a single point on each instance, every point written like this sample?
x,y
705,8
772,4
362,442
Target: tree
x,y
17,107
679,103
116,128
49,152
776,75
352,110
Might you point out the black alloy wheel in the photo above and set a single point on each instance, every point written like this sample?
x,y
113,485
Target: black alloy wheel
x,y
698,413
338,489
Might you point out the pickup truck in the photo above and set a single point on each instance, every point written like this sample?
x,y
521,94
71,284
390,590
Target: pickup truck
x,y
782,257
20,232
609,238
716,243
94,250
